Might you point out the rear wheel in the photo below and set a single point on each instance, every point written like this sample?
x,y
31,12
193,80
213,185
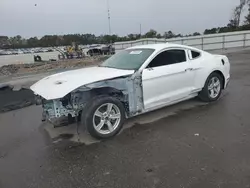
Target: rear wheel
x,y
103,117
212,89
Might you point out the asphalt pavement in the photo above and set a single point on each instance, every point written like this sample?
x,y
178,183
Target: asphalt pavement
x,y
189,145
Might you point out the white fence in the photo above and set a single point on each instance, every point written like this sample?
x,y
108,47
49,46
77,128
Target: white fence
x,y
204,42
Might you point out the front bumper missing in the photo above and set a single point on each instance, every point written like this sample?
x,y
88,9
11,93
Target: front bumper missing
x,y
55,113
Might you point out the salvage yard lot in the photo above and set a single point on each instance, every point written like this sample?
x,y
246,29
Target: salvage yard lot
x,y
191,144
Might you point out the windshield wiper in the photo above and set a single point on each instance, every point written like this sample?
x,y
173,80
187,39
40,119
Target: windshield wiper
x,y
106,66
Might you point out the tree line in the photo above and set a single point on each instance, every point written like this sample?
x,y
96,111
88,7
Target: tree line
x,y
64,40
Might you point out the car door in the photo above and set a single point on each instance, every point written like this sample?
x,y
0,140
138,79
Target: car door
x,y
166,78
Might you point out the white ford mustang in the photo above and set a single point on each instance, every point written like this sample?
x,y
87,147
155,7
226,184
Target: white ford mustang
x,y
135,81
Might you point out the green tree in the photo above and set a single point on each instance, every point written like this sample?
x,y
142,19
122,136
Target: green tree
x,y
169,34
158,36
211,31
196,34
151,34
247,18
131,37
33,42
16,41
4,40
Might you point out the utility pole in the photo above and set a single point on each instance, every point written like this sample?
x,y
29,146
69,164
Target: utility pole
x,y
110,42
109,17
140,30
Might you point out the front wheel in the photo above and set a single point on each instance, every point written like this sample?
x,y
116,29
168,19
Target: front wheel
x,y
104,117
212,89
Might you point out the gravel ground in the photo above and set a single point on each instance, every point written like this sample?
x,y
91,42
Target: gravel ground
x,y
43,67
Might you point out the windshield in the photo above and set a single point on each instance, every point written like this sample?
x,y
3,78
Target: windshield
x,y
131,59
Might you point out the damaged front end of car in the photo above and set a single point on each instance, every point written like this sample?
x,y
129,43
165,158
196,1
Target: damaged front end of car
x,y
127,89
55,111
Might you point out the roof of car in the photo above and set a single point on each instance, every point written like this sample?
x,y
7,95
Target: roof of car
x,y
161,46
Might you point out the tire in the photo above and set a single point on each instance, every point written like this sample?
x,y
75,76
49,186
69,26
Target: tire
x,y
101,122
212,92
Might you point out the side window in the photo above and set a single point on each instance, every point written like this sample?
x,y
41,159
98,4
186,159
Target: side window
x,y
167,58
195,54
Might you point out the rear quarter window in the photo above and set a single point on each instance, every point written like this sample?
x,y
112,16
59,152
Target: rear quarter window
x,y
195,54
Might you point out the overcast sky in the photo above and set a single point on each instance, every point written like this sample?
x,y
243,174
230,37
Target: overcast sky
x,y
90,16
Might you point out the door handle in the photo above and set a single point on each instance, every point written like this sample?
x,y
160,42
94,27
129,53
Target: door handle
x,y
189,69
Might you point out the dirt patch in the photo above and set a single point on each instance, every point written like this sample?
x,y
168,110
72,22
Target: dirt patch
x,y
40,67
9,69
12,100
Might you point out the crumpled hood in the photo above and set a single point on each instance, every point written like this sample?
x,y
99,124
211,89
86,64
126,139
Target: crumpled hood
x,y
59,85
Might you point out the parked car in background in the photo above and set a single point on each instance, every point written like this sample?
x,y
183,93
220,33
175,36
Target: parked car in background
x,y
51,50
26,51
2,52
44,50
32,50
19,51
8,53
14,52
132,82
